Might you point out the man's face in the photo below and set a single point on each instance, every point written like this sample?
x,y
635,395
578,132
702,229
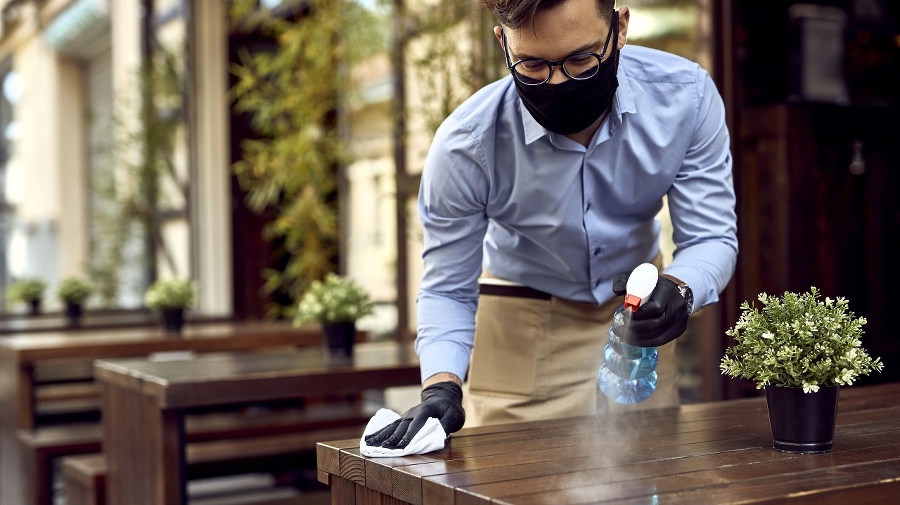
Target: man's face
x,y
570,27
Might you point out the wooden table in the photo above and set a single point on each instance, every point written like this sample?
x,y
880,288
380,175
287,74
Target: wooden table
x,y
20,355
61,354
718,452
144,403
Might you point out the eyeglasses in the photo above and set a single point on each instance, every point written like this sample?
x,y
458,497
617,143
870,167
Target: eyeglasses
x,y
578,66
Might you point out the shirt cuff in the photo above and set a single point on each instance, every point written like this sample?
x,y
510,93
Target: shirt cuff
x,y
704,292
443,356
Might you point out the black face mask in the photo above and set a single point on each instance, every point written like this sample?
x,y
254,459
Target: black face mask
x,y
573,105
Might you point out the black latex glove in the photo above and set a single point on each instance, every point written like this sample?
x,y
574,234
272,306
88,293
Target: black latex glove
x,y
442,400
661,319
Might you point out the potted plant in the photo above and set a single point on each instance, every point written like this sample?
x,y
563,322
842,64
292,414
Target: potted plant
x,y
801,349
29,290
74,291
171,297
336,303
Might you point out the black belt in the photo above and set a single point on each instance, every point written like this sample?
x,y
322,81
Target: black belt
x,y
513,291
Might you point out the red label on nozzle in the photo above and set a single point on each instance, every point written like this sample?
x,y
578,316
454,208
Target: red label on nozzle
x,y
632,302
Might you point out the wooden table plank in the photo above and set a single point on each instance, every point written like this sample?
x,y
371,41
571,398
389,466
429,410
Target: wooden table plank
x,y
380,475
352,467
328,455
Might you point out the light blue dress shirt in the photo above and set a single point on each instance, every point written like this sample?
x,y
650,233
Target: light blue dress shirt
x,y
500,192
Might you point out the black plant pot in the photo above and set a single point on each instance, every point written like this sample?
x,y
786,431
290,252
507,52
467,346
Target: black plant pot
x,y
339,338
802,422
173,320
34,306
73,313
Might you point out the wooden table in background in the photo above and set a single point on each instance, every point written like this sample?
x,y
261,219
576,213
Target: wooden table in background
x,y
718,452
144,403
20,355
62,353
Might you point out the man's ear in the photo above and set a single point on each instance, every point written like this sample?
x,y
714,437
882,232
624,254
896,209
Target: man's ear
x,y
624,16
498,32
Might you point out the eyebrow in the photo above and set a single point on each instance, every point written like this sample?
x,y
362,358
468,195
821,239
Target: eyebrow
x,y
582,49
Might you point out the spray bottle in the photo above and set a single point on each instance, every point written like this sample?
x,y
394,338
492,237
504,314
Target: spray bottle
x,y
628,373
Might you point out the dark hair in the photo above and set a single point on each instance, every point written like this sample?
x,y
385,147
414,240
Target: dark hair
x,y
515,13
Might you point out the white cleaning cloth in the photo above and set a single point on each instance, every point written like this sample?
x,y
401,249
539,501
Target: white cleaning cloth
x,y
430,438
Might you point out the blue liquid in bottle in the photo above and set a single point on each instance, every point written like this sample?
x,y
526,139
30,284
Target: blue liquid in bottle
x,y
628,373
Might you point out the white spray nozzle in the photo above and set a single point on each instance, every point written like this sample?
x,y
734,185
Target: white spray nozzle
x,y
640,284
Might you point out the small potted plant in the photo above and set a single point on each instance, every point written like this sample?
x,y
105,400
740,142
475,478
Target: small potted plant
x,y
171,297
28,290
74,292
801,349
336,303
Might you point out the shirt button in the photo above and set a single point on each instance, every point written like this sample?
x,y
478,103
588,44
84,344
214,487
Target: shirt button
x,y
597,250
588,206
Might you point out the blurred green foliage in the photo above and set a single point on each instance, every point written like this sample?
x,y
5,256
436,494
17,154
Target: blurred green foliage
x,y
295,95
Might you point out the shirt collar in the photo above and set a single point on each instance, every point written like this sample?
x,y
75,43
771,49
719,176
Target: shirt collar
x,y
622,103
533,130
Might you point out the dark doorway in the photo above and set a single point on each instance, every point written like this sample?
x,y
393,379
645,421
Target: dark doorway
x,y
813,93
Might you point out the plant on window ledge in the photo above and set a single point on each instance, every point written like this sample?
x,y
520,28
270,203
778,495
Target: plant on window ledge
x,y
171,297
171,294
27,290
336,299
336,303
74,291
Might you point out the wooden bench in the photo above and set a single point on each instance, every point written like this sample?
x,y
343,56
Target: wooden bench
x,y
66,403
64,391
220,443
84,476
84,479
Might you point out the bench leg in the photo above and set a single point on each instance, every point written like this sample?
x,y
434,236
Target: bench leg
x,y
77,493
37,477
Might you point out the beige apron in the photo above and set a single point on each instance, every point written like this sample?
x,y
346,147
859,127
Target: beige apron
x,y
538,359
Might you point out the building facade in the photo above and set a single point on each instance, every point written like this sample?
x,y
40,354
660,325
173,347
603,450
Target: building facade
x,y
79,194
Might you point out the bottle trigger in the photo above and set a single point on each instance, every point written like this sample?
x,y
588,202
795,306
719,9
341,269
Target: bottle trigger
x,y
632,302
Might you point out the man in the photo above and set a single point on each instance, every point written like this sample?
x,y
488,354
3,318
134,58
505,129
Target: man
x,y
545,185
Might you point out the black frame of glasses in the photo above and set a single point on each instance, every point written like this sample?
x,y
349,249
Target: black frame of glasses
x,y
561,63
